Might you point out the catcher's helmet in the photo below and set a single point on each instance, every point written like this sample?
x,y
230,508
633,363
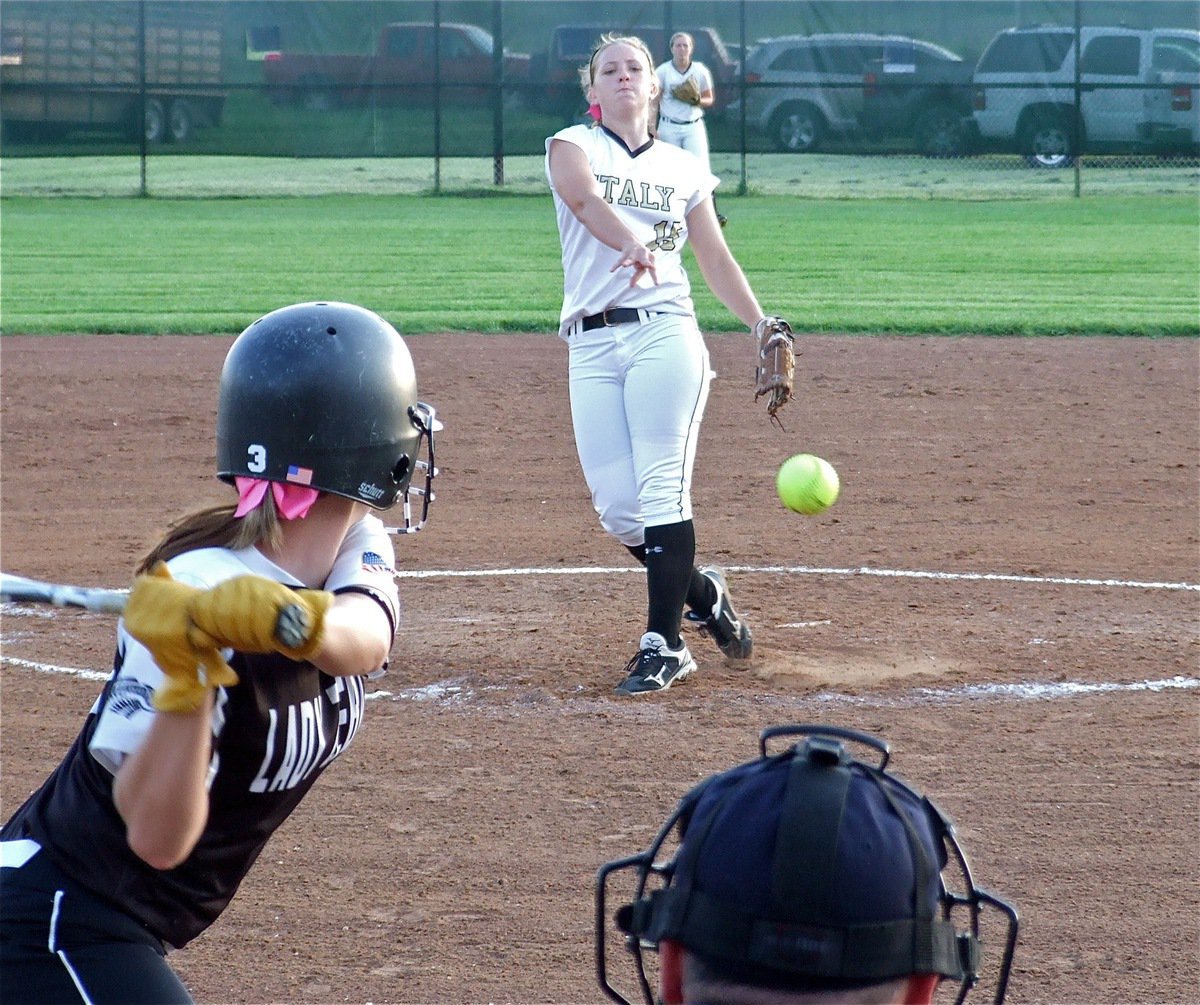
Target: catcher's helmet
x,y
807,870
324,395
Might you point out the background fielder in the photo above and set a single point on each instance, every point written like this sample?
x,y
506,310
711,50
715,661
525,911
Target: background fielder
x,y
685,90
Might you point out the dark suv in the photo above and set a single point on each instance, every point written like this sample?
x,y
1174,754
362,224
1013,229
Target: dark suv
x,y
920,92
803,90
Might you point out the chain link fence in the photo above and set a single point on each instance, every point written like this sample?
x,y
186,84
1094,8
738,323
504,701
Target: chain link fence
x,y
828,98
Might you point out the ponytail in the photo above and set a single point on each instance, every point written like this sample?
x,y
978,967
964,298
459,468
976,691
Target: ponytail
x,y
217,527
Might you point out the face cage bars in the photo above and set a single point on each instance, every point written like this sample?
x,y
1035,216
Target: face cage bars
x,y
974,899
424,417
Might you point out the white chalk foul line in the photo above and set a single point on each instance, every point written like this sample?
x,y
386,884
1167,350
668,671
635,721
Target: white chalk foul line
x,y
1021,691
806,570
1011,690
446,691
454,691
51,668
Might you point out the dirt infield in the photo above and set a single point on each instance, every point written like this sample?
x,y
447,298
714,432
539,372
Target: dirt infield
x,y
1006,591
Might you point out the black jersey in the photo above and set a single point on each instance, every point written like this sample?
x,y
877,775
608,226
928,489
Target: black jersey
x,y
273,734
282,725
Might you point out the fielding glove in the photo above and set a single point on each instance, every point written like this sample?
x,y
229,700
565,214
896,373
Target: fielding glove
x,y
688,92
775,373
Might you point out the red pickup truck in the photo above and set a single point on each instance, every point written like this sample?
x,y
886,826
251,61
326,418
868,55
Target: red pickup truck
x,y
399,71
555,73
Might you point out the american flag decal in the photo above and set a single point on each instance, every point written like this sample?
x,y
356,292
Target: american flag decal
x,y
372,562
301,476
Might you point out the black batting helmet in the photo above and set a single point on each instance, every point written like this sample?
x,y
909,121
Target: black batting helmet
x,y
324,395
804,870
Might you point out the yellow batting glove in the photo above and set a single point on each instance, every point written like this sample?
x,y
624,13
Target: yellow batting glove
x,y
187,694
244,613
156,614
178,695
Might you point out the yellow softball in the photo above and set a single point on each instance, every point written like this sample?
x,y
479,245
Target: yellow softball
x,y
807,484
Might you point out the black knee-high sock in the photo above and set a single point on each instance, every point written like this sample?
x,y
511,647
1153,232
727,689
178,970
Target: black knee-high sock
x,y
670,552
701,594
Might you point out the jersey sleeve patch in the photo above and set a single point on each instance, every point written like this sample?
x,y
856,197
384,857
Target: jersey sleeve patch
x,y
373,562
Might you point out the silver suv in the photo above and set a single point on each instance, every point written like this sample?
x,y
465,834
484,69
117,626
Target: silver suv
x,y
1138,91
801,89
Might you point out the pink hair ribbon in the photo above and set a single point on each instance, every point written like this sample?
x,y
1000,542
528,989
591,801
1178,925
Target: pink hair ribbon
x,y
292,501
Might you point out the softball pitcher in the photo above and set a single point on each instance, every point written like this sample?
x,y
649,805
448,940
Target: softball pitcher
x,y
639,370
210,731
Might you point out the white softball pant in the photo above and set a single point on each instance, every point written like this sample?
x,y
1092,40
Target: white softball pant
x,y
693,137
638,392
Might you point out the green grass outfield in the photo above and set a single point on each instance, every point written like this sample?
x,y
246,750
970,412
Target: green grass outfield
x,y
1108,264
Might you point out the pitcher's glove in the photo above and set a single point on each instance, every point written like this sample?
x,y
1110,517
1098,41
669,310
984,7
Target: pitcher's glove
x,y
776,369
688,92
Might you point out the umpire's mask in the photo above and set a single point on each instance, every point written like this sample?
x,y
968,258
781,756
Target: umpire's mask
x,y
807,870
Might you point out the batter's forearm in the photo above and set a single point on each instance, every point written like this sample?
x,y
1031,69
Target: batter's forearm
x,y
160,789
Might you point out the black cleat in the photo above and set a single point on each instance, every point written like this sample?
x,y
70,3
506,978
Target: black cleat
x,y
731,633
656,666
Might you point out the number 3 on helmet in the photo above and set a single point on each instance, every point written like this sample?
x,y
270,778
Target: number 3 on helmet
x,y
325,395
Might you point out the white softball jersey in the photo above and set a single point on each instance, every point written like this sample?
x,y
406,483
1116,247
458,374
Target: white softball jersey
x,y
671,108
652,189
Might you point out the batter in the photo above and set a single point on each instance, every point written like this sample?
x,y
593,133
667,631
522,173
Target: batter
x,y
639,370
140,838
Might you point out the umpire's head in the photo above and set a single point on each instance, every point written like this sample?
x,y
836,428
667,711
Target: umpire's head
x,y
804,876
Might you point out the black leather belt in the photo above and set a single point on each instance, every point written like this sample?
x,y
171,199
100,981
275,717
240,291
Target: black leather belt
x,y
679,122
614,316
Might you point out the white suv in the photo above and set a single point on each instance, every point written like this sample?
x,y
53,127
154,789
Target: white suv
x,y
800,89
1137,91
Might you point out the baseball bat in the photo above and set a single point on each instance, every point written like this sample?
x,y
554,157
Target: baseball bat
x,y
291,628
